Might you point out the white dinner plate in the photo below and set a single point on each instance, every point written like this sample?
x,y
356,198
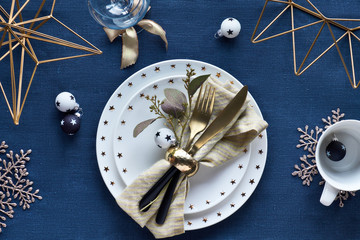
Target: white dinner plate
x,y
215,193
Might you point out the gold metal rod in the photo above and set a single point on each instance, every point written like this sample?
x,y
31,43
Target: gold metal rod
x,y
11,10
289,31
64,58
52,8
8,52
278,1
4,12
20,84
272,22
18,7
322,15
31,49
323,53
56,40
32,20
27,90
258,22
341,57
311,47
3,38
6,100
293,36
355,36
26,49
12,71
76,34
351,58
19,11
66,44
38,12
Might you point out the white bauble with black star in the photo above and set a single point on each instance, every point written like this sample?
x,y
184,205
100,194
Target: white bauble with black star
x,y
70,124
164,138
230,27
66,102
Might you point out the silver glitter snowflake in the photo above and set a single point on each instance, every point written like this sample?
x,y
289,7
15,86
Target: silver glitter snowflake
x,y
308,141
14,183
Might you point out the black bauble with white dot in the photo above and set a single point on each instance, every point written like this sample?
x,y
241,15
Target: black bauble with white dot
x,y
70,124
336,150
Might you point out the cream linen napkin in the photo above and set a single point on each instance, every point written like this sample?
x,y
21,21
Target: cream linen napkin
x,y
223,147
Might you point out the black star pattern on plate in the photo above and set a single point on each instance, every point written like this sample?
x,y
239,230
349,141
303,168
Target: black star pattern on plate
x,y
103,154
106,169
203,68
130,108
106,122
123,122
119,138
245,150
58,103
232,204
252,181
260,136
205,219
188,65
219,214
207,202
142,95
119,95
243,194
124,170
155,86
111,108
260,151
171,81
191,206
168,138
218,74
233,181
157,69
189,223
230,32
143,75
257,167
173,66
130,84
112,183
240,166
222,193
102,138
120,155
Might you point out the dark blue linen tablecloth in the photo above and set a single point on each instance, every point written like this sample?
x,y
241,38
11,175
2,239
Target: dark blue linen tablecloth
x,y
76,203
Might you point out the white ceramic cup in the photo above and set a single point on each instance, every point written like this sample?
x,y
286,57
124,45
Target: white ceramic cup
x,y
344,174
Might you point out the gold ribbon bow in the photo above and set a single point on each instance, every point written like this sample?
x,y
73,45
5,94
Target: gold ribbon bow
x,y
130,43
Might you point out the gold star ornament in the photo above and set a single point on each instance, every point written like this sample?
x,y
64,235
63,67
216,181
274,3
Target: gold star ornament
x,y
17,36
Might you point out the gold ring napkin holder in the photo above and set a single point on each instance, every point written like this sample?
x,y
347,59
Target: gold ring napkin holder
x,y
182,160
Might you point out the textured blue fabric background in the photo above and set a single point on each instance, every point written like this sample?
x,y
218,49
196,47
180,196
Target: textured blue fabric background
x,y
77,205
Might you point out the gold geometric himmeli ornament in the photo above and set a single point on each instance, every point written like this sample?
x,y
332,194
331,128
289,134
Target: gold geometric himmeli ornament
x,y
329,22
20,33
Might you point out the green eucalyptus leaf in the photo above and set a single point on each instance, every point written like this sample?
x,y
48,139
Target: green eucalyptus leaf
x,y
196,83
175,97
172,109
141,126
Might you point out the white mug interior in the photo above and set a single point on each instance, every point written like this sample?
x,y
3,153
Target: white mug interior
x,y
343,174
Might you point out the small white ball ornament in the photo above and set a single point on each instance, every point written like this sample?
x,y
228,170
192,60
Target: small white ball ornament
x,y
230,28
164,138
66,102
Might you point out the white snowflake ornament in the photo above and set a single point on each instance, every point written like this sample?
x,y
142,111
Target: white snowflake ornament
x,y
230,28
66,102
164,138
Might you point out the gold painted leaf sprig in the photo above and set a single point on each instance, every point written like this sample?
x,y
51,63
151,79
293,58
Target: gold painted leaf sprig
x,y
175,109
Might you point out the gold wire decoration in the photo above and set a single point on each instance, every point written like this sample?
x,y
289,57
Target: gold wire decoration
x,y
329,22
20,36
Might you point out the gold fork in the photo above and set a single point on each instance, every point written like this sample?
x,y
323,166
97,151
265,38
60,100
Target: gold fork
x,y
198,122
201,113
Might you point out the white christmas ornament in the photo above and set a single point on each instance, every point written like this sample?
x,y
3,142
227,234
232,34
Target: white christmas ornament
x,y
66,102
164,138
230,28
